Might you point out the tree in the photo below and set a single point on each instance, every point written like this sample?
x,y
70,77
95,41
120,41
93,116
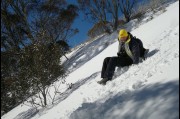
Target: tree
x,y
126,7
99,10
15,27
64,47
94,10
97,29
31,56
40,64
112,7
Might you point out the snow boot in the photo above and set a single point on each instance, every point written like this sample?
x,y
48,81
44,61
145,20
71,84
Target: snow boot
x,y
104,80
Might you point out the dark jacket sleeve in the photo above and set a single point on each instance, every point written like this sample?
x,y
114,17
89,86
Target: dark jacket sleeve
x,y
136,52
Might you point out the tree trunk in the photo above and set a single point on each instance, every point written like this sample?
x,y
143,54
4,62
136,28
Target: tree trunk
x,y
45,100
65,56
115,24
127,18
116,16
44,96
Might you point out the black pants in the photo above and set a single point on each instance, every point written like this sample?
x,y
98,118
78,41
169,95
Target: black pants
x,y
110,64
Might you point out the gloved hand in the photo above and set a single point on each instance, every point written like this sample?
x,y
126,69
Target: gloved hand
x,y
118,54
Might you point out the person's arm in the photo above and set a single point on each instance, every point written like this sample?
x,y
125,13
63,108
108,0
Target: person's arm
x,y
136,53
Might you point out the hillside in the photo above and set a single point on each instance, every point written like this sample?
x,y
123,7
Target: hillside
x,y
149,90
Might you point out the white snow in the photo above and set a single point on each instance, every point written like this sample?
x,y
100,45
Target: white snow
x,y
148,90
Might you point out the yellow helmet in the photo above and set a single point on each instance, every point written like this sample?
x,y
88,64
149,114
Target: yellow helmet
x,y
122,33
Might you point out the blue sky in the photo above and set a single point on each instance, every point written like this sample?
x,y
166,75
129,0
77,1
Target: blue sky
x,y
83,27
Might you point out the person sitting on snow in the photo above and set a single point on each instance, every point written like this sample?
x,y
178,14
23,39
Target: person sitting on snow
x,y
129,52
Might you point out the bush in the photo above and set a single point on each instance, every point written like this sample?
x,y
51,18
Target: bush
x,y
28,72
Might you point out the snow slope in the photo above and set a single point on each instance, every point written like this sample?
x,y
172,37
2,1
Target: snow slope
x,y
149,90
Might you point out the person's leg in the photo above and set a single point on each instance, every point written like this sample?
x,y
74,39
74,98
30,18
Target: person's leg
x,y
114,62
110,65
104,67
108,62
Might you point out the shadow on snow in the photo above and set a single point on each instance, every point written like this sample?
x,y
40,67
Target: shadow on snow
x,y
160,101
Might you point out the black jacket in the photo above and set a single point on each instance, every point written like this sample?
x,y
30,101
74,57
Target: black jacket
x,y
133,47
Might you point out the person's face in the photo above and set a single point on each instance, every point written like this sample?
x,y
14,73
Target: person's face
x,y
123,39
